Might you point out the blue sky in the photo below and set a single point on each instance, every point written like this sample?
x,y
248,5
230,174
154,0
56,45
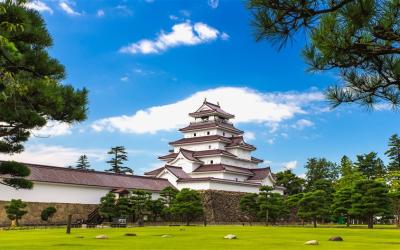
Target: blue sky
x,y
148,63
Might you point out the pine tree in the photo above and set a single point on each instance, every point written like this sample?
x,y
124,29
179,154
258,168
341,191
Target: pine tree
x,y
393,153
291,182
370,165
314,205
271,205
14,210
342,203
187,205
31,89
107,207
369,199
123,207
349,174
83,163
119,156
140,201
249,205
357,39
168,196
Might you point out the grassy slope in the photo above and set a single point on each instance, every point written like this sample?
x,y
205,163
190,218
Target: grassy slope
x,y
211,237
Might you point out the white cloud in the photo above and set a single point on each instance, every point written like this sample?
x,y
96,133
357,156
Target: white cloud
x,y
124,78
173,17
302,176
39,6
182,34
100,13
248,105
271,141
124,9
303,123
68,9
53,128
290,165
54,155
213,3
225,36
249,136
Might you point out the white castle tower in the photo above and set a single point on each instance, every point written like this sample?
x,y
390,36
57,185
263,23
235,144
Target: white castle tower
x,y
213,155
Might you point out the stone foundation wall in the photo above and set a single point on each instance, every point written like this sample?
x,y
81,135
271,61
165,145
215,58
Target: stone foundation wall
x,y
78,211
222,206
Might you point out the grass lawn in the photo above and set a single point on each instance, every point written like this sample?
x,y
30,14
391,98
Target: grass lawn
x,y
196,237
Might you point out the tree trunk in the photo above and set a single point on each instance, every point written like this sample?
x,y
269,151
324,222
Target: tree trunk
x,y
348,221
266,218
69,219
187,222
315,222
370,222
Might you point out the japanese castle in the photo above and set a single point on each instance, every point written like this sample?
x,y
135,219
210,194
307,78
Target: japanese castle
x,y
213,155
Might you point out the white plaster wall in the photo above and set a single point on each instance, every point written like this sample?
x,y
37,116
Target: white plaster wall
x,y
267,182
58,193
243,154
201,146
200,133
210,174
170,177
219,186
237,162
203,132
208,159
195,185
231,176
45,192
186,165
233,187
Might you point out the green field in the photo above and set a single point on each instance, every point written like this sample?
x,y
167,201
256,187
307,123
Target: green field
x,y
196,237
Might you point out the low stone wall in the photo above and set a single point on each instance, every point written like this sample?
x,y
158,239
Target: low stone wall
x,y
219,207
78,211
222,206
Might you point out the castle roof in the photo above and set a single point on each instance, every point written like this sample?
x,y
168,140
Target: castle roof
x,y
201,153
208,109
223,167
211,124
238,141
200,139
62,175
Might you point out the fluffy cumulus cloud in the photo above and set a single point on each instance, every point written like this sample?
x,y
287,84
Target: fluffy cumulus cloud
x,y
39,6
182,34
303,123
248,105
249,136
53,128
67,8
290,165
54,155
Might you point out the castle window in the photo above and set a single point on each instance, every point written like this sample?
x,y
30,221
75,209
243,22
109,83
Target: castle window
x,y
208,132
211,162
236,179
194,134
223,133
209,146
